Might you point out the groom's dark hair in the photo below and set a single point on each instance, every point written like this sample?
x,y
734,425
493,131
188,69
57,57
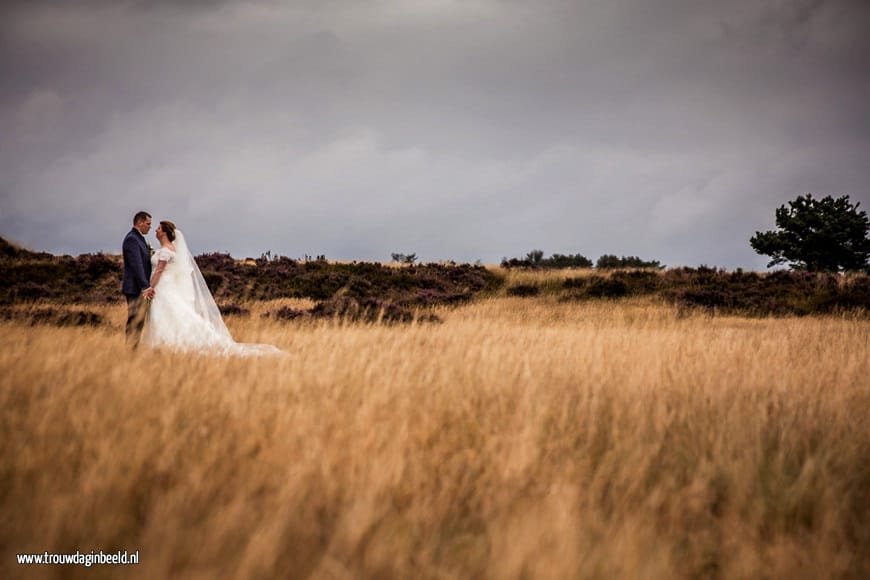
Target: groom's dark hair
x,y
140,216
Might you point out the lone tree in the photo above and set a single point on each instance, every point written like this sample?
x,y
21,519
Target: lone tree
x,y
817,235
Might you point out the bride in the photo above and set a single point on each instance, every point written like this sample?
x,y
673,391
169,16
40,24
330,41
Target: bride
x,y
183,314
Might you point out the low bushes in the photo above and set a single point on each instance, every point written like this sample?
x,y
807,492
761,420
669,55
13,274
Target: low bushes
x,y
96,278
777,293
233,310
524,290
617,285
53,317
746,293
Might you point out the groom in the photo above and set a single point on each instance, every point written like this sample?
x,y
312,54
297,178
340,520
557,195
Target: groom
x,y
137,273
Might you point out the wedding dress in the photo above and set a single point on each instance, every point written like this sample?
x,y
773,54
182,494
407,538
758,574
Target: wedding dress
x,y
183,315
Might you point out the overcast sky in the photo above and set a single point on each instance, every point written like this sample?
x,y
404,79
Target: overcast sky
x,y
456,129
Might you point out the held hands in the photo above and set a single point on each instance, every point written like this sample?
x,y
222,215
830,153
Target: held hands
x,y
148,293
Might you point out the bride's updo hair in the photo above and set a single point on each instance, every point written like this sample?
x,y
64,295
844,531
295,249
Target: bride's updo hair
x,y
168,229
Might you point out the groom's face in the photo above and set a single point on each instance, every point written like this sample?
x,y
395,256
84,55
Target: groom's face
x,y
144,226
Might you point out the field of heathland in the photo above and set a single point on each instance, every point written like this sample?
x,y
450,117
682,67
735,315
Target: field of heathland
x,y
442,422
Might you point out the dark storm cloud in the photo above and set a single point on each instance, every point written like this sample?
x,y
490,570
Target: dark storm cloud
x,y
461,130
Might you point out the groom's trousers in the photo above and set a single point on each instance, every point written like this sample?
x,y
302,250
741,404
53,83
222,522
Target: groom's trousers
x,y
137,309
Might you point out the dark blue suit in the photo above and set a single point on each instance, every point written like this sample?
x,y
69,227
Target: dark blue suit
x,y
137,264
137,277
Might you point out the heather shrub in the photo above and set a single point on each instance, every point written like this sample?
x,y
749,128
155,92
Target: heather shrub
x,y
10,251
778,293
29,291
215,261
853,293
49,272
524,290
594,287
600,287
639,282
93,267
575,282
53,317
433,297
233,310
286,313
213,280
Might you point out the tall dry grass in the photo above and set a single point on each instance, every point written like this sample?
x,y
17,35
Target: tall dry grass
x,y
546,278
520,438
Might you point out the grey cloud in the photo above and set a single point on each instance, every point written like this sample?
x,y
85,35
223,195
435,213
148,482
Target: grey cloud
x,y
465,130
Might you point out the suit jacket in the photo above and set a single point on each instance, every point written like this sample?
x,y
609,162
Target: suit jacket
x,y
137,264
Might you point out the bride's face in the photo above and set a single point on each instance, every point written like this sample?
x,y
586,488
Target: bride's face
x,y
159,233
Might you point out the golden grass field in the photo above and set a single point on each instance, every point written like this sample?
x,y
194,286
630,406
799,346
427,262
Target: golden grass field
x,y
521,438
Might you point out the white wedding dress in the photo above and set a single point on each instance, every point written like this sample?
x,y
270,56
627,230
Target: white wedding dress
x,y
183,315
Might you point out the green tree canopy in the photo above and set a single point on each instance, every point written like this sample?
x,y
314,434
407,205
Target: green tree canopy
x,y
812,234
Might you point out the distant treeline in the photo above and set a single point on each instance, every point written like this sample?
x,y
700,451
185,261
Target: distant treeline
x,y
536,260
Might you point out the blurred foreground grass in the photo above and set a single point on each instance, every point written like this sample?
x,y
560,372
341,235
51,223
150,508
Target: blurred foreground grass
x,y
520,438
